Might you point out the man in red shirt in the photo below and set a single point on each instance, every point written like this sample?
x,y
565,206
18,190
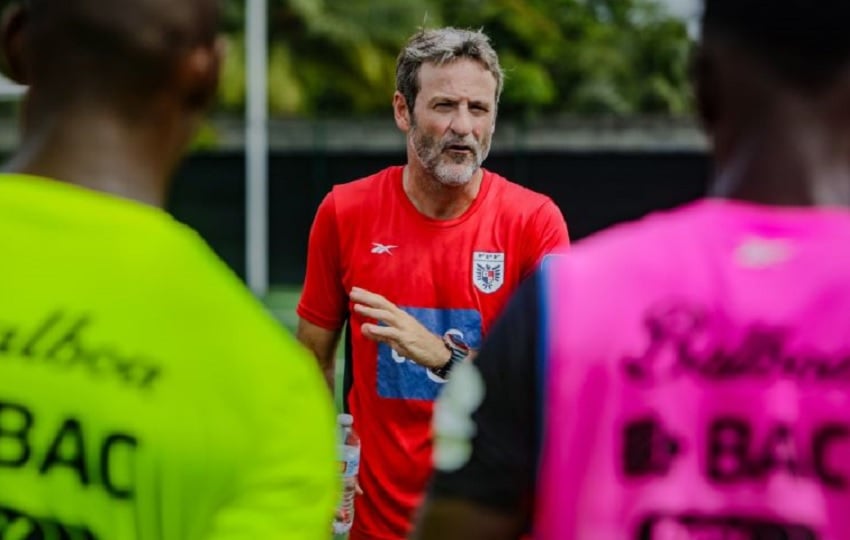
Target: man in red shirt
x,y
419,259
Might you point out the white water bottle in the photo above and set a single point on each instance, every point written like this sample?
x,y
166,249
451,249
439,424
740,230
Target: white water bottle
x,y
349,456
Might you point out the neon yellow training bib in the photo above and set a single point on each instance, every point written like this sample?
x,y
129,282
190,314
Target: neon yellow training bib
x,y
144,393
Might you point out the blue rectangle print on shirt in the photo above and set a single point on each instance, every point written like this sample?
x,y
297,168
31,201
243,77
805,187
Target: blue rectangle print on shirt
x,y
401,378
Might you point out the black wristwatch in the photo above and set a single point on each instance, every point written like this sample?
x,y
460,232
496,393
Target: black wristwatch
x,y
459,352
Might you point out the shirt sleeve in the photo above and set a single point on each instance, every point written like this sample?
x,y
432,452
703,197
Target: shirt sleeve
x,y
324,299
546,232
500,470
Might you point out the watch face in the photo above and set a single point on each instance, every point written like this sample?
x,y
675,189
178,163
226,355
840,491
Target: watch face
x,y
454,339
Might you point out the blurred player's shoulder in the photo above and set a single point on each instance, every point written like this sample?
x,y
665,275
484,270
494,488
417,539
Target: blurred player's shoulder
x,y
701,244
661,223
125,247
96,228
653,241
663,237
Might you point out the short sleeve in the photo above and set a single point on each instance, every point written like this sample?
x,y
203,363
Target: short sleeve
x,y
546,233
500,469
323,300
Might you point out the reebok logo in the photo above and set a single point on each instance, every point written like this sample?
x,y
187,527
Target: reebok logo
x,y
381,249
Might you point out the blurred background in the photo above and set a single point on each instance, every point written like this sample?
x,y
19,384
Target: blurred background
x,y
596,113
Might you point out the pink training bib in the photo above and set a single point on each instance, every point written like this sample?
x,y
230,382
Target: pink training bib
x,y
697,379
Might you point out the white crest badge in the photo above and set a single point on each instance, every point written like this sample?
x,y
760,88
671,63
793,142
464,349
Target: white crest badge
x,y
488,271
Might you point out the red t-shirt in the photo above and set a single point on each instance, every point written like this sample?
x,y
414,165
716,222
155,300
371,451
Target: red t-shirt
x,y
450,274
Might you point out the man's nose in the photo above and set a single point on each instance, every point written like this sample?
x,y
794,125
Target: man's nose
x,y
462,122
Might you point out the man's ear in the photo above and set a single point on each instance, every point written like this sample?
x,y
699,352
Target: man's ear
x,y
403,115
197,73
14,21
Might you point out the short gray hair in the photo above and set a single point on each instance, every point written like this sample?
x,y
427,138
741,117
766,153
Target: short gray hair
x,y
443,46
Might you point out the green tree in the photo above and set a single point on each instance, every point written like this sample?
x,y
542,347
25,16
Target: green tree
x,y
337,57
615,57
326,57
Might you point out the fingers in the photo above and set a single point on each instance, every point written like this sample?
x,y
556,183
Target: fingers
x,y
383,334
374,306
368,298
386,317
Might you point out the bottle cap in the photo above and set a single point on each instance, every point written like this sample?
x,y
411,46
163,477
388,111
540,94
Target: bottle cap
x,y
345,420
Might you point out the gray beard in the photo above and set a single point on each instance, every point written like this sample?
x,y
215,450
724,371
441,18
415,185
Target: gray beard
x,y
453,175
443,170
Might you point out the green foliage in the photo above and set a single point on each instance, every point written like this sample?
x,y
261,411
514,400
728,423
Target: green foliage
x,y
337,57
615,57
